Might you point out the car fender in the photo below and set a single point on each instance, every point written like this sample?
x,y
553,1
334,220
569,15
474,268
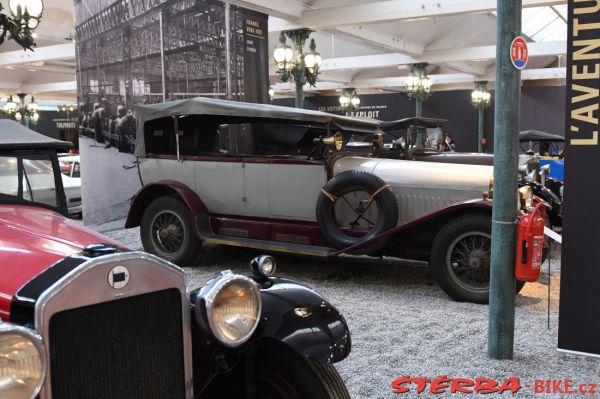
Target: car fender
x,y
429,223
292,315
302,319
151,191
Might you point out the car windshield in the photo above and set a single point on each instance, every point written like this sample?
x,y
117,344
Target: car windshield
x,y
424,138
70,168
28,178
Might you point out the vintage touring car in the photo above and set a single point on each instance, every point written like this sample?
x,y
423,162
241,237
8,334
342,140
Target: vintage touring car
x,y
284,179
81,317
417,138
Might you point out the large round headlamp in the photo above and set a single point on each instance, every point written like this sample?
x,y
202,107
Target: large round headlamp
x,y
22,362
231,307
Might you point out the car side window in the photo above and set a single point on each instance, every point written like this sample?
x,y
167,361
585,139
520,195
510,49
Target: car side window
x,y
76,170
9,176
236,139
37,179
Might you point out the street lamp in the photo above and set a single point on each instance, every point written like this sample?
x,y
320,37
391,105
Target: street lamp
x,y
349,100
25,16
418,86
20,111
302,66
481,99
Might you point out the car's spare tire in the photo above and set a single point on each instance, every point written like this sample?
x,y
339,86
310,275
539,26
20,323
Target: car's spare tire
x,y
355,206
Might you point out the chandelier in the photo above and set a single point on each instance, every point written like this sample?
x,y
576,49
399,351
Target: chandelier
x,y
418,84
20,110
349,100
302,65
481,97
24,17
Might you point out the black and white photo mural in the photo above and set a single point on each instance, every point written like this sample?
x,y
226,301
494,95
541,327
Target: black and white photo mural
x,y
147,51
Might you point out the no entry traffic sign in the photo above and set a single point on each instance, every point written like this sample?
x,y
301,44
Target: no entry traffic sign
x,y
519,53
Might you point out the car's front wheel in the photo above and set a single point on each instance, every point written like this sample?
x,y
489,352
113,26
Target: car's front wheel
x,y
284,373
167,231
460,258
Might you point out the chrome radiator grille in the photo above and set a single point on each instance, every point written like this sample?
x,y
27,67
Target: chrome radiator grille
x,y
122,349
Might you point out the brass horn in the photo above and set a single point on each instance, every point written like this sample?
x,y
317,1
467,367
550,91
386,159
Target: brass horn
x,y
335,140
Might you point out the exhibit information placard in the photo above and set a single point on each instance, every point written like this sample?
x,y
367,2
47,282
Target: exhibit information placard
x,y
579,326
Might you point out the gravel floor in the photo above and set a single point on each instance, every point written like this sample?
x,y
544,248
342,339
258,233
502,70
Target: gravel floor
x,y
403,324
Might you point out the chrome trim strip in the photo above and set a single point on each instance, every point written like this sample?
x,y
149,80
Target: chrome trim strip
x,y
595,355
38,342
152,273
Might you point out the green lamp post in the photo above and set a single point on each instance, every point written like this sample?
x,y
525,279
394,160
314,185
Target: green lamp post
x,y
418,86
481,99
295,62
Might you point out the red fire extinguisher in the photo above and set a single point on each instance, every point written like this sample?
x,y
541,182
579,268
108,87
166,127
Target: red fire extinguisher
x,y
530,244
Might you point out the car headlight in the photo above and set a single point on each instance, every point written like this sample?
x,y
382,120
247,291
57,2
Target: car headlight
x,y
22,362
525,198
489,194
544,172
263,265
230,304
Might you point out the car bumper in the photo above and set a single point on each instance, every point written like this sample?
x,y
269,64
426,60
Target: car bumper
x,y
75,210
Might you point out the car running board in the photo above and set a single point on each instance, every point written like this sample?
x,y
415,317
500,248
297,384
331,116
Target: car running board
x,y
205,231
276,246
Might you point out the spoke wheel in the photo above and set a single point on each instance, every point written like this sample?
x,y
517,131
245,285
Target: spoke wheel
x,y
468,260
167,231
460,257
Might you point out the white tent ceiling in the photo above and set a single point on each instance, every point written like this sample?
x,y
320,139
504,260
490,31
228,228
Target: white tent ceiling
x,y
365,44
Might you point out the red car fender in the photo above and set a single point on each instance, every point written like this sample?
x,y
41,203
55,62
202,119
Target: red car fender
x,y
151,191
440,216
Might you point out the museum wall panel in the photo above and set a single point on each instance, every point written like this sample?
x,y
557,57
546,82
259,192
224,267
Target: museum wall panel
x,y
149,51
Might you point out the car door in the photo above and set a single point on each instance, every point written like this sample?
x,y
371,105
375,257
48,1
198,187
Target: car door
x,y
219,171
294,187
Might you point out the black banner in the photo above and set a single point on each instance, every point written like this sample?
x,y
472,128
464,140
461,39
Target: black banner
x,y
579,326
256,56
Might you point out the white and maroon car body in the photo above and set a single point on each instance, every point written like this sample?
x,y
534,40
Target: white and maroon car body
x,y
257,176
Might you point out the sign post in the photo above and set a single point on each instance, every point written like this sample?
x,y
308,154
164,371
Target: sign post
x,y
579,326
504,213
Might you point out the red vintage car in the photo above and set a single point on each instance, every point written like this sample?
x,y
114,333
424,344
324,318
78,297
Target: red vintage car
x,y
83,317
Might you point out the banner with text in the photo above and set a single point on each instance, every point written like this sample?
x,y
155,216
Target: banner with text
x,y
579,329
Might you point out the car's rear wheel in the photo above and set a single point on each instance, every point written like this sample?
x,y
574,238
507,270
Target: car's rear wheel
x,y
167,231
460,258
355,206
284,373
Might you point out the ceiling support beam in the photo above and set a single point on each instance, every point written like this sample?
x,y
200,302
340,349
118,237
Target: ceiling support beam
x,y
49,87
449,80
396,10
480,53
383,40
288,10
361,33
41,54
